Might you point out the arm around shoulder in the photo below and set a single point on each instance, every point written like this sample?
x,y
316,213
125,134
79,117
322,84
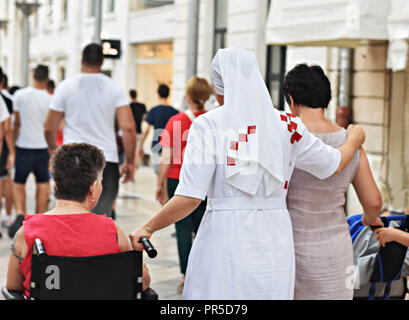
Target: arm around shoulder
x,y
355,139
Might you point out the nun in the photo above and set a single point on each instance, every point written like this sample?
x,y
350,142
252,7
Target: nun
x,y
241,157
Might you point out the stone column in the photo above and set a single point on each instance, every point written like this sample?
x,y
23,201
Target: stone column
x,y
371,106
405,142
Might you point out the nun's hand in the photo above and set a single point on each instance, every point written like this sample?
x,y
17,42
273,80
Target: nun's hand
x,y
136,237
356,134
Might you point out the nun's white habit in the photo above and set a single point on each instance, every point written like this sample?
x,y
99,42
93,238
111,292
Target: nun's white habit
x,y
241,157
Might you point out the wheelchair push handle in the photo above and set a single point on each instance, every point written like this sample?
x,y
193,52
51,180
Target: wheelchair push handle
x,y
387,220
150,250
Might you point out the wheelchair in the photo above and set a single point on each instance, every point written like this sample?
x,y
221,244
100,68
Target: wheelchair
x,y
107,277
384,265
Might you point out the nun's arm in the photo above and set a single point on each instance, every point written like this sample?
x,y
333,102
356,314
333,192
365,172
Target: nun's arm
x,y
175,210
320,159
356,138
195,178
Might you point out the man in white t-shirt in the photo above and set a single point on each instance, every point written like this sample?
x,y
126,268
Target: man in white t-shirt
x,y
30,112
89,103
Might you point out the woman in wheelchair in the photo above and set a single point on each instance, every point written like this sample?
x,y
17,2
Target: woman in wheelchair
x,y
70,229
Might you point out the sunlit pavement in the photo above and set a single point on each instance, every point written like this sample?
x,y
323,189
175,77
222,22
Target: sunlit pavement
x,y
135,205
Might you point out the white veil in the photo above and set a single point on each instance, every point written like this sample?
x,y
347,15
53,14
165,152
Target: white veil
x,y
255,145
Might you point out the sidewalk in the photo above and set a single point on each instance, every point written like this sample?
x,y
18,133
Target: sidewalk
x,y
135,206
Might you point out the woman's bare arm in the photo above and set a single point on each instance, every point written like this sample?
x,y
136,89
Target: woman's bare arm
x,y
366,189
123,241
165,165
143,138
15,278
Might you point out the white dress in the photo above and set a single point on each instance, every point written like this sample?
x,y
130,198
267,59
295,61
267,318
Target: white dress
x,y
244,248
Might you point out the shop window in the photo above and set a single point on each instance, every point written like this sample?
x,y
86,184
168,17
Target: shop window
x,y
111,6
220,25
276,61
64,8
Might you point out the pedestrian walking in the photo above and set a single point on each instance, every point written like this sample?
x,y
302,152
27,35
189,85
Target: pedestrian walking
x,y
139,115
4,115
241,156
323,244
89,103
7,158
30,112
5,91
157,118
13,90
173,142
138,111
50,86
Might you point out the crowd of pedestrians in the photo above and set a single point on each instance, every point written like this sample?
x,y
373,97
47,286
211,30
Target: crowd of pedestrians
x,y
233,180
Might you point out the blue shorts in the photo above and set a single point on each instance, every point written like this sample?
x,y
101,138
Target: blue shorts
x,y
31,161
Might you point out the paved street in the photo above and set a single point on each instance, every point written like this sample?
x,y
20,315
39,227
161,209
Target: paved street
x,y
134,207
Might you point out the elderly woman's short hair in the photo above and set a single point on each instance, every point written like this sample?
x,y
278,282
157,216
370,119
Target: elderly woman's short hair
x,y
74,168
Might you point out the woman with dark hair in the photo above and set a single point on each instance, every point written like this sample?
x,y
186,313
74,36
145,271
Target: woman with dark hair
x,y
70,229
323,245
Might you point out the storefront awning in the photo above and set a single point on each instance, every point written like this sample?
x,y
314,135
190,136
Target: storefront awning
x,y
398,30
341,23
152,25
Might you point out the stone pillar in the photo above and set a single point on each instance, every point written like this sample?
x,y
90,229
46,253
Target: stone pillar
x,y
371,105
405,142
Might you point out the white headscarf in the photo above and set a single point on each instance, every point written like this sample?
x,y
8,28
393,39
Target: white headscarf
x,y
251,123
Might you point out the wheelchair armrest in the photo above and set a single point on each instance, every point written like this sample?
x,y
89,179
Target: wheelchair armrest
x,y
12,295
149,295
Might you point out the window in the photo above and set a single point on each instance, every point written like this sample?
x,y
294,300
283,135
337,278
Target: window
x,y
92,8
156,3
61,73
138,5
50,12
34,21
64,8
111,6
276,60
7,9
220,24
